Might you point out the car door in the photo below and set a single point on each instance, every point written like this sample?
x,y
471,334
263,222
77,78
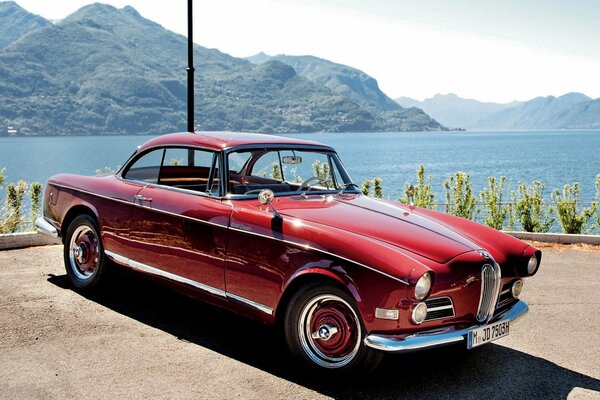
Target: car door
x,y
179,224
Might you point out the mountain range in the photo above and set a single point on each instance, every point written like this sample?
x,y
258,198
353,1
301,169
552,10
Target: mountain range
x,y
570,111
104,70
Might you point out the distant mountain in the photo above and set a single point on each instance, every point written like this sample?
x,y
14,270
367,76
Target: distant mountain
x,y
454,111
357,86
570,111
104,70
16,22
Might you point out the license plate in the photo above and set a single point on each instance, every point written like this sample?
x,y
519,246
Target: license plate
x,y
487,333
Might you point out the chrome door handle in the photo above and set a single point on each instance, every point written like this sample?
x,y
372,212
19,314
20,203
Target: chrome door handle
x,y
141,197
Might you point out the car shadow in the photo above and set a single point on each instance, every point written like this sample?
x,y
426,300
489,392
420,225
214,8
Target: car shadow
x,y
492,371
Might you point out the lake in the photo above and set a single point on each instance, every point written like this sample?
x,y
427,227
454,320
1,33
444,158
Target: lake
x,y
554,157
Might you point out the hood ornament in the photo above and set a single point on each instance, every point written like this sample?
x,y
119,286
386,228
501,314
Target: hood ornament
x,y
411,197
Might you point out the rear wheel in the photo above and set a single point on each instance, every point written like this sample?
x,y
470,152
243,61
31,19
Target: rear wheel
x,y
84,257
323,328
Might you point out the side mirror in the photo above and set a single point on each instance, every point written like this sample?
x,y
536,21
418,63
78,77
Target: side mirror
x,y
265,197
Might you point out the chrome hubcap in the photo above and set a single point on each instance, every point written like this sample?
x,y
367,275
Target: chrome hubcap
x,y
84,250
329,331
325,332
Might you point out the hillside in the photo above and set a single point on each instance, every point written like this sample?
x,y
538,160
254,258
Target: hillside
x,y
454,111
17,22
104,70
357,86
570,111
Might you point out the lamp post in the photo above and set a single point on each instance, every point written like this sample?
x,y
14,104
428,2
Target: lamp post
x,y
190,68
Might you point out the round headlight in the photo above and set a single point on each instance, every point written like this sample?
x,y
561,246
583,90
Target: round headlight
x,y
516,288
419,313
532,265
423,286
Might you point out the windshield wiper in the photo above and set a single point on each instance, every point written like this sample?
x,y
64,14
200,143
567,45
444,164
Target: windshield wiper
x,y
347,187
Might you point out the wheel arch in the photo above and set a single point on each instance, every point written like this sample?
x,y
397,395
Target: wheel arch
x,y
74,212
309,276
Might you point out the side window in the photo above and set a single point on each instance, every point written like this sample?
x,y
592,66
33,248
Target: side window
x,y
147,167
267,166
190,169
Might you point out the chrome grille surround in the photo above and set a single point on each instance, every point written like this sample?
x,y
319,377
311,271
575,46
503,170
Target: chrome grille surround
x,y
490,288
439,308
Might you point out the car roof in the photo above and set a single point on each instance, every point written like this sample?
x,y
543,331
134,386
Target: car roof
x,y
224,140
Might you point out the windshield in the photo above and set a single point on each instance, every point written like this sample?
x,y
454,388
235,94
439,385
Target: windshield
x,y
286,171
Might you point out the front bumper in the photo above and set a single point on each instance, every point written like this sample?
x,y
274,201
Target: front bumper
x,y
43,226
435,338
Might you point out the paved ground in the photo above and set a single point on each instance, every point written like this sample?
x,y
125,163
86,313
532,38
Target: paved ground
x,y
138,340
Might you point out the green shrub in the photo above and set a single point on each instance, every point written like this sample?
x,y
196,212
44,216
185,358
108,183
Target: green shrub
x,y
276,171
422,191
597,202
14,204
534,214
459,195
2,176
321,171
377,186
495,211
572,220
35,192
366,187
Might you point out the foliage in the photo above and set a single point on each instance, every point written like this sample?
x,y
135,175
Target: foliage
x,y
494,209
35,192
105,171
366,187
14,203
321,170
376,185
377,188
533,213
597,202
276,171
459,195
423,194
11,212
572,220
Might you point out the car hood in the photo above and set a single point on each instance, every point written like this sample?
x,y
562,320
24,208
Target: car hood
x,y
386,221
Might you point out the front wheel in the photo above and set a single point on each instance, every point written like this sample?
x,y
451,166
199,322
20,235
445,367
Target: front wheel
x,y
84,257
323,328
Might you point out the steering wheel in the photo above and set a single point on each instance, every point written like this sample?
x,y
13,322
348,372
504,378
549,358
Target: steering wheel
x,y
314,179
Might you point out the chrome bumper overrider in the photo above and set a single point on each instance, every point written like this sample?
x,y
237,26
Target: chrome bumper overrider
x,y
435,338
45,227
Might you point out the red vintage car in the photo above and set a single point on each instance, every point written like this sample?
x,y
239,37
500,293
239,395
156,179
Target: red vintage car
x,y
275,229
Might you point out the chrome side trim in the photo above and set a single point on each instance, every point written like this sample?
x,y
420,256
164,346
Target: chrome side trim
x,y
43,226
253,304
435,338
138,266
308,247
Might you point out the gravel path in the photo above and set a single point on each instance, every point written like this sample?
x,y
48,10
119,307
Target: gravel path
x,y
136,339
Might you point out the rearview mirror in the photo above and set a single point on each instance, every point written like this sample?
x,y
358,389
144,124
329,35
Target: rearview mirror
x,y
291,159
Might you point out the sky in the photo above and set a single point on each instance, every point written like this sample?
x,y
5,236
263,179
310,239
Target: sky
x,y
494,50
